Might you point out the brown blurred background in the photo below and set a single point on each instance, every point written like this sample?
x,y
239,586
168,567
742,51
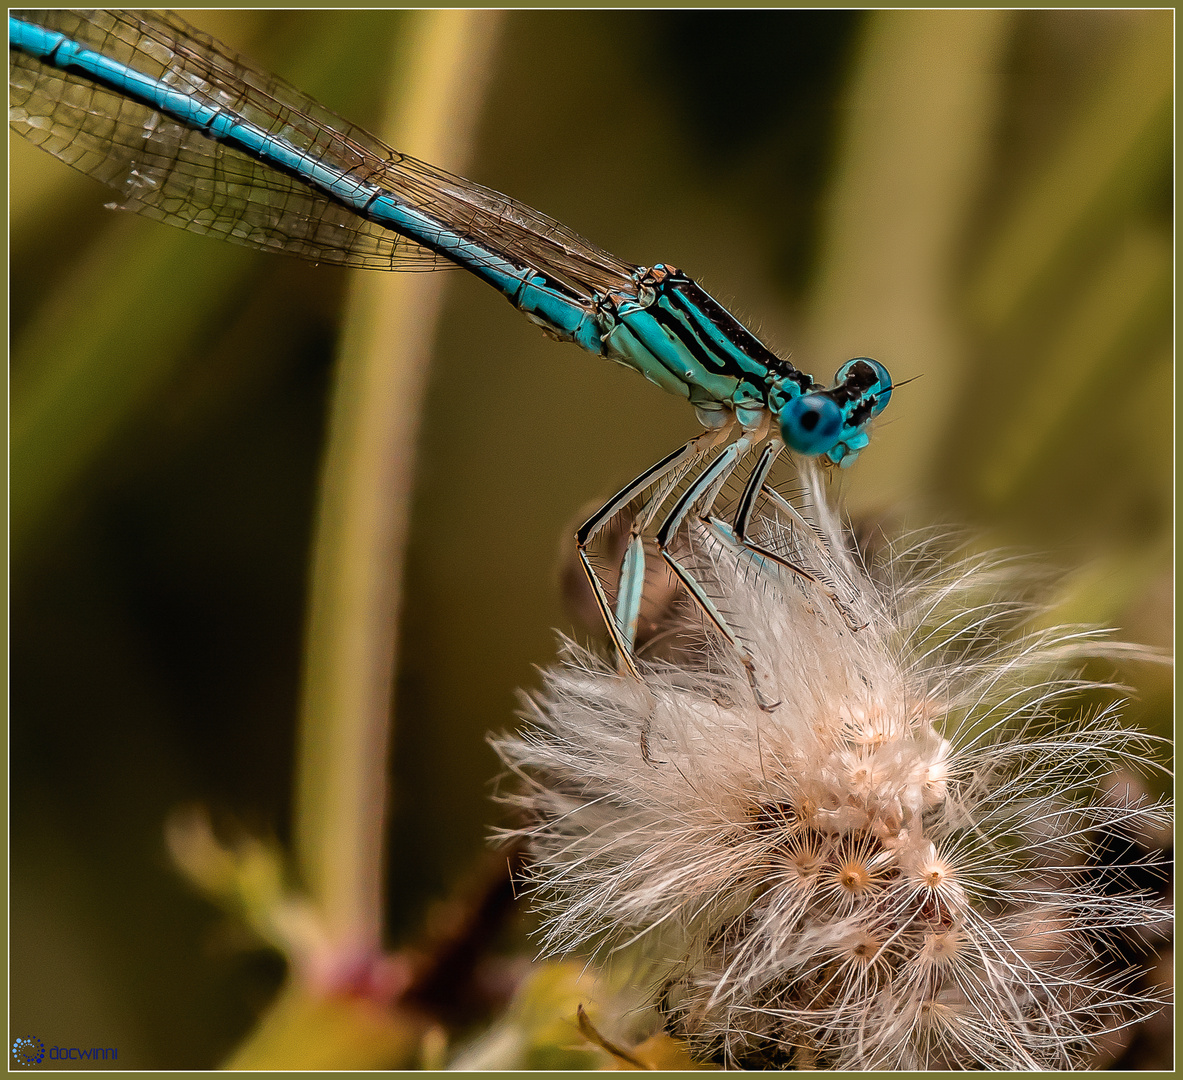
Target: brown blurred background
x,y
982,199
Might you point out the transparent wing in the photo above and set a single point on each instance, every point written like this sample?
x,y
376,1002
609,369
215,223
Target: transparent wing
x,y
169,172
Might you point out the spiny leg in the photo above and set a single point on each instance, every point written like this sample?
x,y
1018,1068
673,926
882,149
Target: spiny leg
x,y
736,536
702,493
751,490
622,622
631,577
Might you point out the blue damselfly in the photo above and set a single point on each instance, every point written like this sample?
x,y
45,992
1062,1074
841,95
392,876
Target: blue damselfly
x,y
188,132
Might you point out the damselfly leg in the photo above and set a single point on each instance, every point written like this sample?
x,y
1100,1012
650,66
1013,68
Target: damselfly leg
x,y
621,618
697,502
795,560
793,551
660,482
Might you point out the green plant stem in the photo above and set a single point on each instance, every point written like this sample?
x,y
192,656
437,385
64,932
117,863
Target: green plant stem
x,y
1122,300
1103,166
106,340
363,514
920,114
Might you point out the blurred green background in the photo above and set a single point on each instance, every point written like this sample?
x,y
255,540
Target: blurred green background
x,y
982,199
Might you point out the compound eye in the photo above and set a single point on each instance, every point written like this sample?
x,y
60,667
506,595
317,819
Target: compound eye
x,y
811,424
874,383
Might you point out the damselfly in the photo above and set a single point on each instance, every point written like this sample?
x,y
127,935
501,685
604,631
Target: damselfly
x,y
190,133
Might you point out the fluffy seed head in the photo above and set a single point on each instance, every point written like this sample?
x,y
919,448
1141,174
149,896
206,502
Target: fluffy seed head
x,y
892,869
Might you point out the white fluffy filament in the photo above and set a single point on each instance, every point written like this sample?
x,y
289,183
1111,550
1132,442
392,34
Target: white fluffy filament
x,y
891,869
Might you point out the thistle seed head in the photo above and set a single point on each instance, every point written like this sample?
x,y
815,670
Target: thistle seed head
x,y
893,869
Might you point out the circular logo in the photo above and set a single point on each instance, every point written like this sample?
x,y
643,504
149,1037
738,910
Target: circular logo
x,y
28,1051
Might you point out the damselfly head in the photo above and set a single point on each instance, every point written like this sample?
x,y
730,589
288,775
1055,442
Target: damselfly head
x,y
867,380
848,448
833,422
811,424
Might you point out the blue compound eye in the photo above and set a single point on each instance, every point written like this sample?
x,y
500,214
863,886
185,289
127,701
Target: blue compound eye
x,y
811,424
875,382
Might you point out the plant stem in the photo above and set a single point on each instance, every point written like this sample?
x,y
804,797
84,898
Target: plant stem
x,y
363,513
921,108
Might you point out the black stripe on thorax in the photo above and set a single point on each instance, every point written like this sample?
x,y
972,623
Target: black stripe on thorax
x,y
687,294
